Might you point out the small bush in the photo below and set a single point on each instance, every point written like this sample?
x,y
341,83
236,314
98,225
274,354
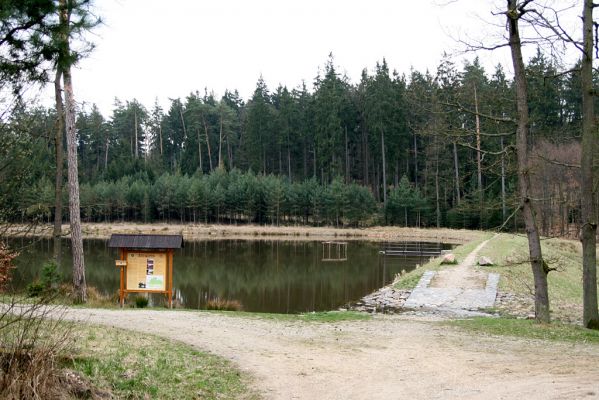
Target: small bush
x,y
141,301
48,282
224,305
50,276
6,265
35,289
32,345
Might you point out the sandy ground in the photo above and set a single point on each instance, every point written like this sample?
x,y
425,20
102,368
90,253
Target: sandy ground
x,y
203,232
388,357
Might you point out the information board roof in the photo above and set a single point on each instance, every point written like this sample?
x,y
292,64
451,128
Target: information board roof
x,y
130,241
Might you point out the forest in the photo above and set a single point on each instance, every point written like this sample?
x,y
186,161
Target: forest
x,y
422,149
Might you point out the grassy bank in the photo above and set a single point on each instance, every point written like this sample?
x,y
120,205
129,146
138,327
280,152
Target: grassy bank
x,y
528,329
509,253
139,366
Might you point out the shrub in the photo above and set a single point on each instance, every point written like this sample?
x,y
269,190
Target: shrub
x,y
224,305
48,282
6,265
32,344
141,301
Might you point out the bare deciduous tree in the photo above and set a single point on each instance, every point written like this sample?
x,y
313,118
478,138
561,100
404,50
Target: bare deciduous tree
x,y
589,147
515,11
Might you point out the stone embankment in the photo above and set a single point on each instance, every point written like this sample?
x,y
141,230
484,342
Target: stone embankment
x,y
386,300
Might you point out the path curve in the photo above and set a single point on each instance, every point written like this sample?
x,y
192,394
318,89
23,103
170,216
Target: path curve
x,y
387,357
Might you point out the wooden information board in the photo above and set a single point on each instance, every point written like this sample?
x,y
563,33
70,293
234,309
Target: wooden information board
x,y
146,271
145,263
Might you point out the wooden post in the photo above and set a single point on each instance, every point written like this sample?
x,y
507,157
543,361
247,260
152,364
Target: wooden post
x,y
170,278
122,286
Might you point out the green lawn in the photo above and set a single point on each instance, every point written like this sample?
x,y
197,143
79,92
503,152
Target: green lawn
x,y
139,366
510,254
528,329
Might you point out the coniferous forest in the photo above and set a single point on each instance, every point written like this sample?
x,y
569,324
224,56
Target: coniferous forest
x,y
426,148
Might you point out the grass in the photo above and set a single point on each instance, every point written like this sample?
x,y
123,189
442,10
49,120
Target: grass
x,y
510,254
528,329
318,317
410,279
139,366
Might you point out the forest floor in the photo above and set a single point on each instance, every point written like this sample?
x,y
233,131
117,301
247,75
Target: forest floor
x,y
386,356
257,232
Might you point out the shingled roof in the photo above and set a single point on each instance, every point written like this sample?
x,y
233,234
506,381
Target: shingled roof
x,y
146,241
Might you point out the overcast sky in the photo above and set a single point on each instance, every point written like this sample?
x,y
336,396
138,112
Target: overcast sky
x,y
149,49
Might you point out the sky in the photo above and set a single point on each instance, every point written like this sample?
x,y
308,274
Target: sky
x,y
156,49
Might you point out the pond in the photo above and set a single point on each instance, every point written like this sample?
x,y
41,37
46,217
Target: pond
x,y
262,275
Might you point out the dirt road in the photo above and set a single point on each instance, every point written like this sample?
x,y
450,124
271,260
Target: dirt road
x,y
388,357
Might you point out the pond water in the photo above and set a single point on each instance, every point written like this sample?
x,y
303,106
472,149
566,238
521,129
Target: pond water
x,y
262,275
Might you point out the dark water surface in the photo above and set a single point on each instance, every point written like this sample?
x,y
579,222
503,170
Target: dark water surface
x,y
262,275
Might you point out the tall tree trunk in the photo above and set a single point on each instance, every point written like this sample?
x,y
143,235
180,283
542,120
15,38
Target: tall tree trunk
x,y
478,162
207,142
221,164
384,185
457,173
503,206
136,137
590,315
229,153
200,151
57,233
346,158
160,134
79,285
479,173
437,200
538,265
415,161
183,124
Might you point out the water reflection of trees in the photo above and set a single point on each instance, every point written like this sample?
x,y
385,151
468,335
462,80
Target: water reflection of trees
x,y
274,276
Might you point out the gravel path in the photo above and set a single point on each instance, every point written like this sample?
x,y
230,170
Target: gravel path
x,y
388,357
460,290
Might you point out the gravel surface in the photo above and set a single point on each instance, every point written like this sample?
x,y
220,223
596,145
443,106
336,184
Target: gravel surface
x,y
387,357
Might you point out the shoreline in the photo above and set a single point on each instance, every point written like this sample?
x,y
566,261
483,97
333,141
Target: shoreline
x,y
198,232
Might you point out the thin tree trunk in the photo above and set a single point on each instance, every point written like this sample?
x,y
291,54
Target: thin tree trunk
x,y
136,137
503,206
200,150
478,161
346,158
415,161
438,205
590,315
538,265
384,170
160,134
183,124
106,154
457,173
207,142
479,173
229,153
221,163
79,284
57,233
